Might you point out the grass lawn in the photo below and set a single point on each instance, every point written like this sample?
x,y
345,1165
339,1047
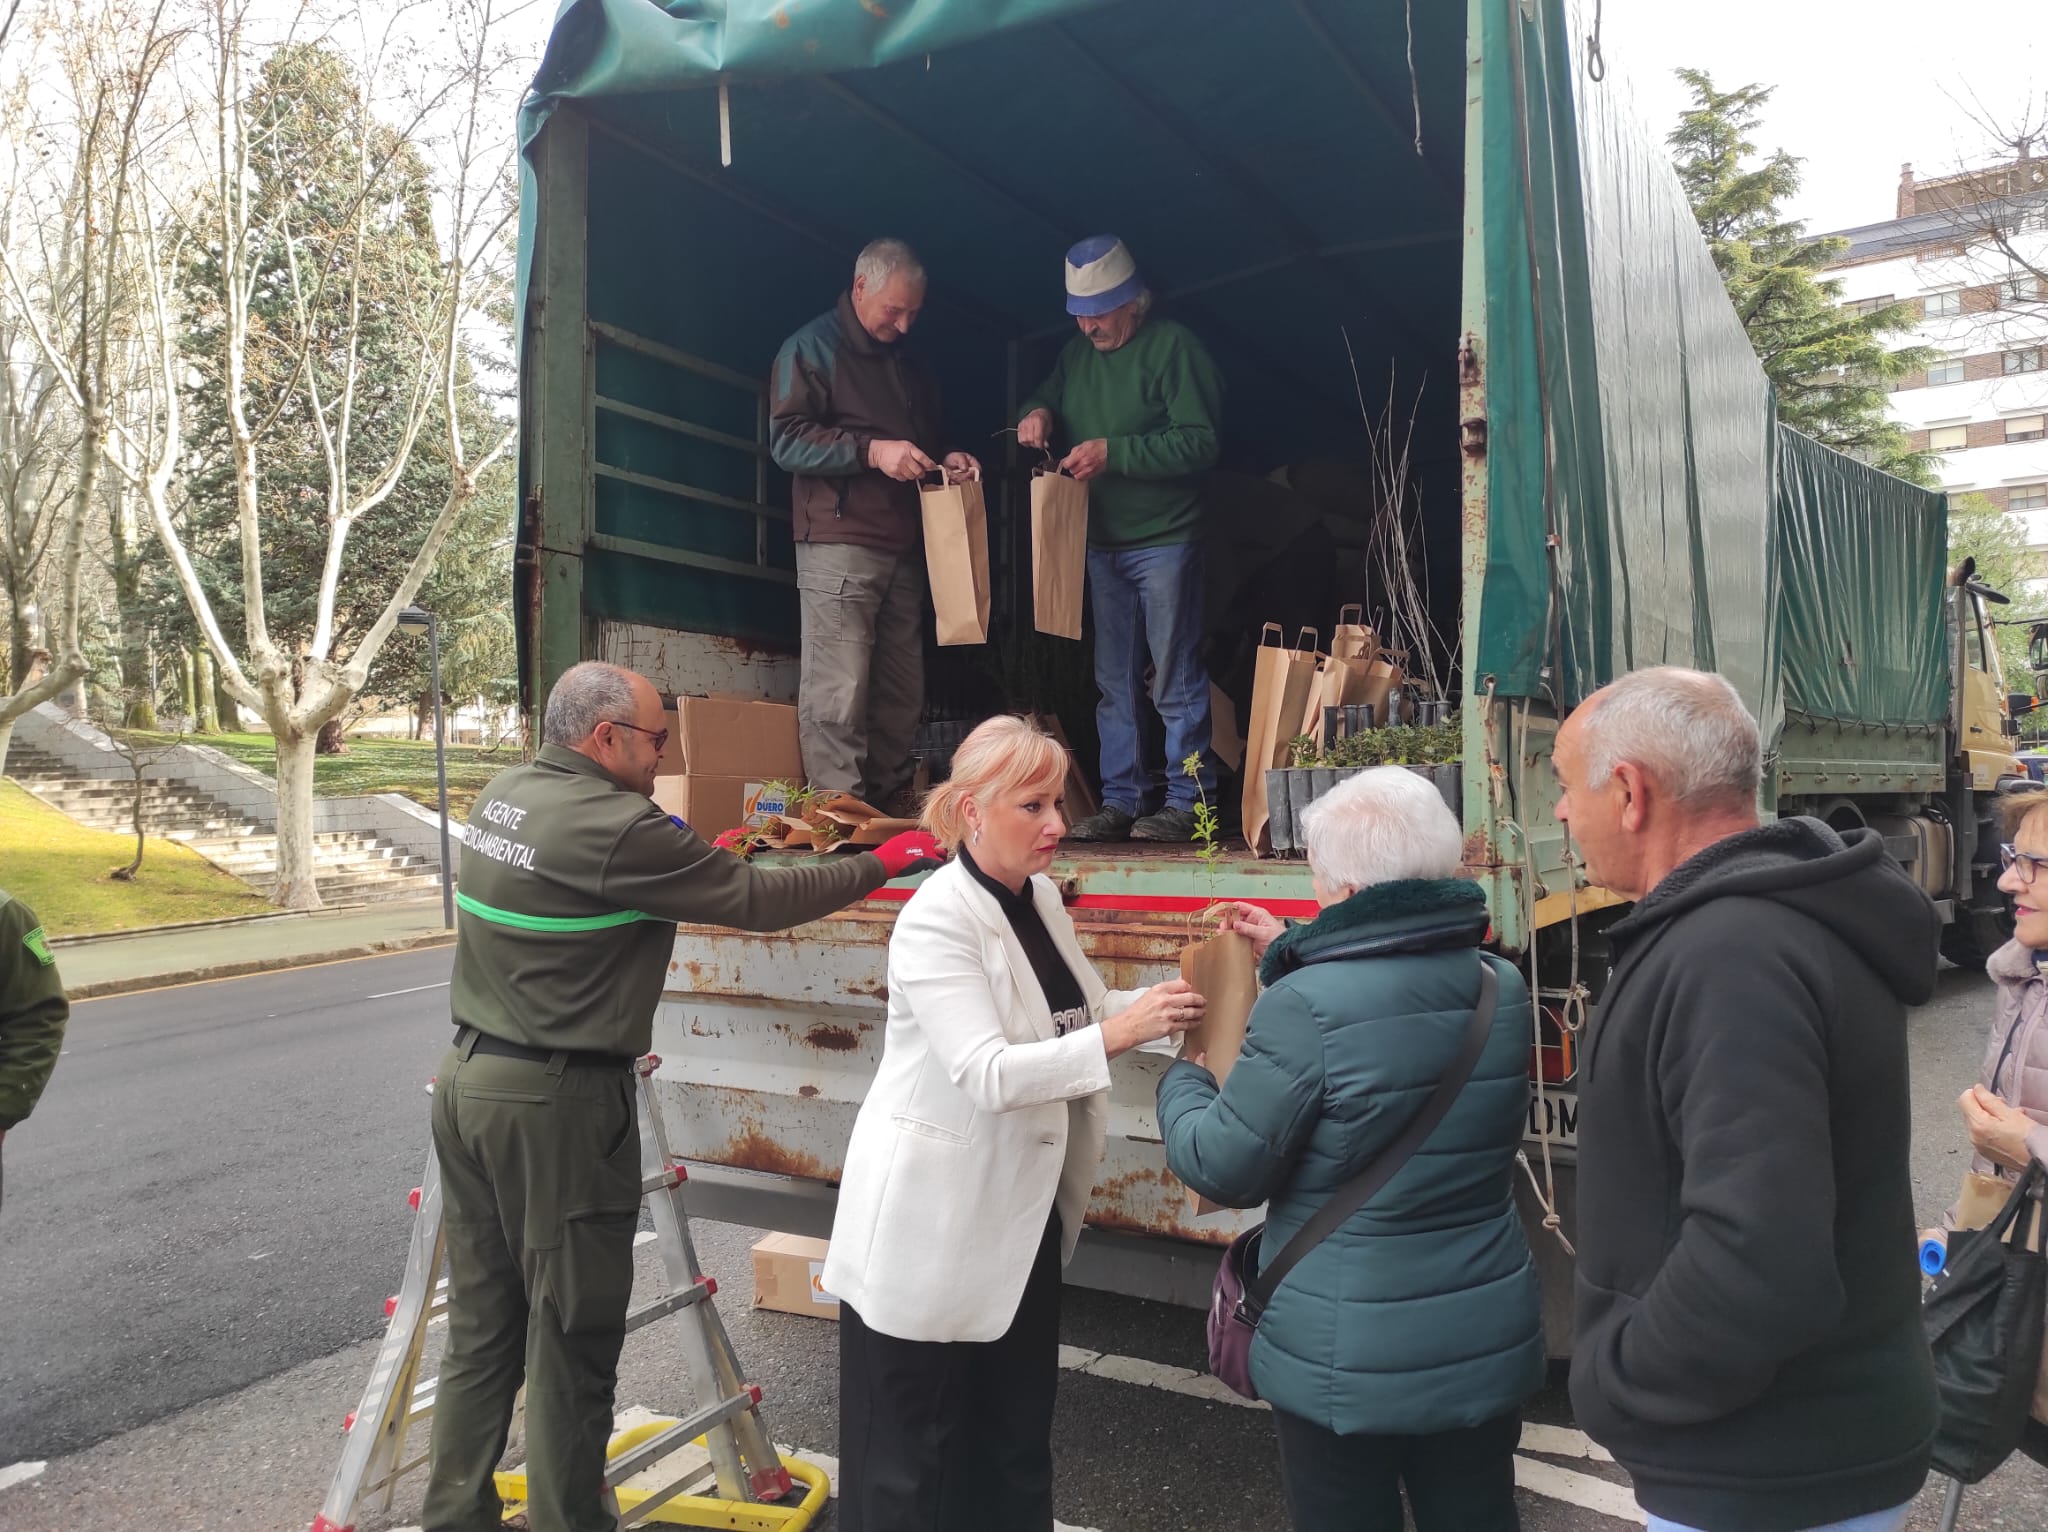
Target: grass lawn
x,y
378,766
60,869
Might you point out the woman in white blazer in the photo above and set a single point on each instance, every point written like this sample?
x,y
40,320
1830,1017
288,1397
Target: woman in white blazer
x,y
972,1161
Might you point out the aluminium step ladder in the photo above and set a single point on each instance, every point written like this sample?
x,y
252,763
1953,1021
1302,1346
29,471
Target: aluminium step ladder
x,y
754,1486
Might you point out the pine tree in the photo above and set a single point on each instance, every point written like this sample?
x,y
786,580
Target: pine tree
x,y
1831,365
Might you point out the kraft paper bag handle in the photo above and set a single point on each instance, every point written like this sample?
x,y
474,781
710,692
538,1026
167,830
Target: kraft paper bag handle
x,y
1051,470
1274,628
1313,646
1352,612
944,482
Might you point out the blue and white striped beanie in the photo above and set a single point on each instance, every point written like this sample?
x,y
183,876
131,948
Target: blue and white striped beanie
x,y
1101,276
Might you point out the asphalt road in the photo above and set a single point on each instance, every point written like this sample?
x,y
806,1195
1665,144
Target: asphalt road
x,y
205,1214
206,1195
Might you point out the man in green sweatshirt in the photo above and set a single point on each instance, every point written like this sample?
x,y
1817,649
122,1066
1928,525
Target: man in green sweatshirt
x,y
1138,402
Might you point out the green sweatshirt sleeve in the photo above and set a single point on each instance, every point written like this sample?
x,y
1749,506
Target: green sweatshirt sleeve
x,y
33,1011
1189,442
662,870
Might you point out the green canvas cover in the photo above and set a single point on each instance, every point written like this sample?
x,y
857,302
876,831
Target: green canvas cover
x,y
1628,397
1862,563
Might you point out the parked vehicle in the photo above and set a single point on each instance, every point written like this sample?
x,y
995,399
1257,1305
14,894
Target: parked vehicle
x,y
1601,480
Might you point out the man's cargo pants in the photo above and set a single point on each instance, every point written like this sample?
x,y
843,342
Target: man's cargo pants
x,y
540,1188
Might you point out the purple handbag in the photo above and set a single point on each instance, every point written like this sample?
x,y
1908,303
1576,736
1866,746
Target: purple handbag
x,y
1238,1300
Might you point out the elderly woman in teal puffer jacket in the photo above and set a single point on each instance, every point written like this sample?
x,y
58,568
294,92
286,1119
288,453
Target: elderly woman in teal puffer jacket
x,y
1399,1353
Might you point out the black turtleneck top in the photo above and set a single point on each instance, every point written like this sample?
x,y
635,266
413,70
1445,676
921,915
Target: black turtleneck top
x,y
1063,993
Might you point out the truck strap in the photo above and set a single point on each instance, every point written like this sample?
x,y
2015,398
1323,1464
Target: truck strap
x,y
498,917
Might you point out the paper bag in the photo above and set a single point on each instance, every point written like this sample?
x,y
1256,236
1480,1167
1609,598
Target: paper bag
x,y
1222,972
1281,679
1352,639
956,557
1382,684
1059,551
1224,738
1338,683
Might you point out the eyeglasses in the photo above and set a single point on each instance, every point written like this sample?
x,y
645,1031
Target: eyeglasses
x,y
2029,867
659,736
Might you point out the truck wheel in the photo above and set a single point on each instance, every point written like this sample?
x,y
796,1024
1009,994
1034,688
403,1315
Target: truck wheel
x,y
1974,935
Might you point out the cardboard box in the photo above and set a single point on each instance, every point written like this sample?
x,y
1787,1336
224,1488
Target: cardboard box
x,y
732,737
713,805
789,1275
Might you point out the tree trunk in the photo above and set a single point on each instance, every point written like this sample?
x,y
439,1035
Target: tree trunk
x,y
6,738
295,888
329,740
205,693
188,699
19,643
227,716
123,874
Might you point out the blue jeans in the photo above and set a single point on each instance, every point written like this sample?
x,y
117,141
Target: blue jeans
x,y
1150,599
1876,1521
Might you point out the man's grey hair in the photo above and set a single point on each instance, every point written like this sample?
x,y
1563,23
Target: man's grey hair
x,y
1686,728
1144,302
884,259
587,695
1380,825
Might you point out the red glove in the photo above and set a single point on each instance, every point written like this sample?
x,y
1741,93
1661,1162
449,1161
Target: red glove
x,y
733,840
912,851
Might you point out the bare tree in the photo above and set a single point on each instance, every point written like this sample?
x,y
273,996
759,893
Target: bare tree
x,y
65,257
434,93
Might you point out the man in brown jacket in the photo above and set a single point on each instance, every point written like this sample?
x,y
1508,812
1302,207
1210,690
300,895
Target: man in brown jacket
x,y
853,418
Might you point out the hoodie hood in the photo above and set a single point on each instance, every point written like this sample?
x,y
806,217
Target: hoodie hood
x,y
1848,883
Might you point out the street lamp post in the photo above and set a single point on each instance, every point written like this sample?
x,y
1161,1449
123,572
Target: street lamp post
x,y
417,620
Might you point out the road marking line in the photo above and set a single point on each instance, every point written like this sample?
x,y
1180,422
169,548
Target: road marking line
x,y
1579,1489
1562,1442
20,1473
416,989
1174,1380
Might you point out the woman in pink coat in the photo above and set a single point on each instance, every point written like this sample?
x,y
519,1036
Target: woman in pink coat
x,y
2006,1111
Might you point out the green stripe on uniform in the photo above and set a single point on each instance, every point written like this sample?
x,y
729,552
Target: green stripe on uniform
x,y
498,917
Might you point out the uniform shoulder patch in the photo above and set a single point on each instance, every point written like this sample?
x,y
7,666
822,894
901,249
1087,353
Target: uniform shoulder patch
x,y
38,942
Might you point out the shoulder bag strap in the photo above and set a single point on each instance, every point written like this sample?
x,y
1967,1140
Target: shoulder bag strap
x,y
1361,1188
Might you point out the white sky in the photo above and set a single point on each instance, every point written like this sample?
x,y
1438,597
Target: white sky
x,y
1863,86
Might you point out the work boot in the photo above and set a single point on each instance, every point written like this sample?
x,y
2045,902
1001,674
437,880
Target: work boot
x,y
1169,824
1105,824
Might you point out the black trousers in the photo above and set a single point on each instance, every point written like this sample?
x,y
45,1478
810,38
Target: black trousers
x,y
1457,1481
952,1436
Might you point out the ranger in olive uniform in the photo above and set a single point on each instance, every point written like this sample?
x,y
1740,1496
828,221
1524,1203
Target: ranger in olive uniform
x,y
33,1011
572,884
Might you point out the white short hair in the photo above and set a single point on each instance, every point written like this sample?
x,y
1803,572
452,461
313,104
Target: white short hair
x,y
1687,729
884,259
1380,825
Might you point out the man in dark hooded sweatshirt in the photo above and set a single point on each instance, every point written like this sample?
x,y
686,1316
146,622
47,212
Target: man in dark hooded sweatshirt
x,y
1749,1343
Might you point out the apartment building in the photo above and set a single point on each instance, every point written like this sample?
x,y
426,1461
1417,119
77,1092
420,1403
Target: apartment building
x,y
1972,251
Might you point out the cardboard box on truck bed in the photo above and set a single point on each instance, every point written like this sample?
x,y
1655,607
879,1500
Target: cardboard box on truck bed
x,y
789,1276
713,805
732,737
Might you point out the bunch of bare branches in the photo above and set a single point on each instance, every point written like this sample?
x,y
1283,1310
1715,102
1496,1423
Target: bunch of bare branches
x,y
1397,554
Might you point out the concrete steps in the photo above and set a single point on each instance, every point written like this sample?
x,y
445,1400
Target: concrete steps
x,y
349,868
